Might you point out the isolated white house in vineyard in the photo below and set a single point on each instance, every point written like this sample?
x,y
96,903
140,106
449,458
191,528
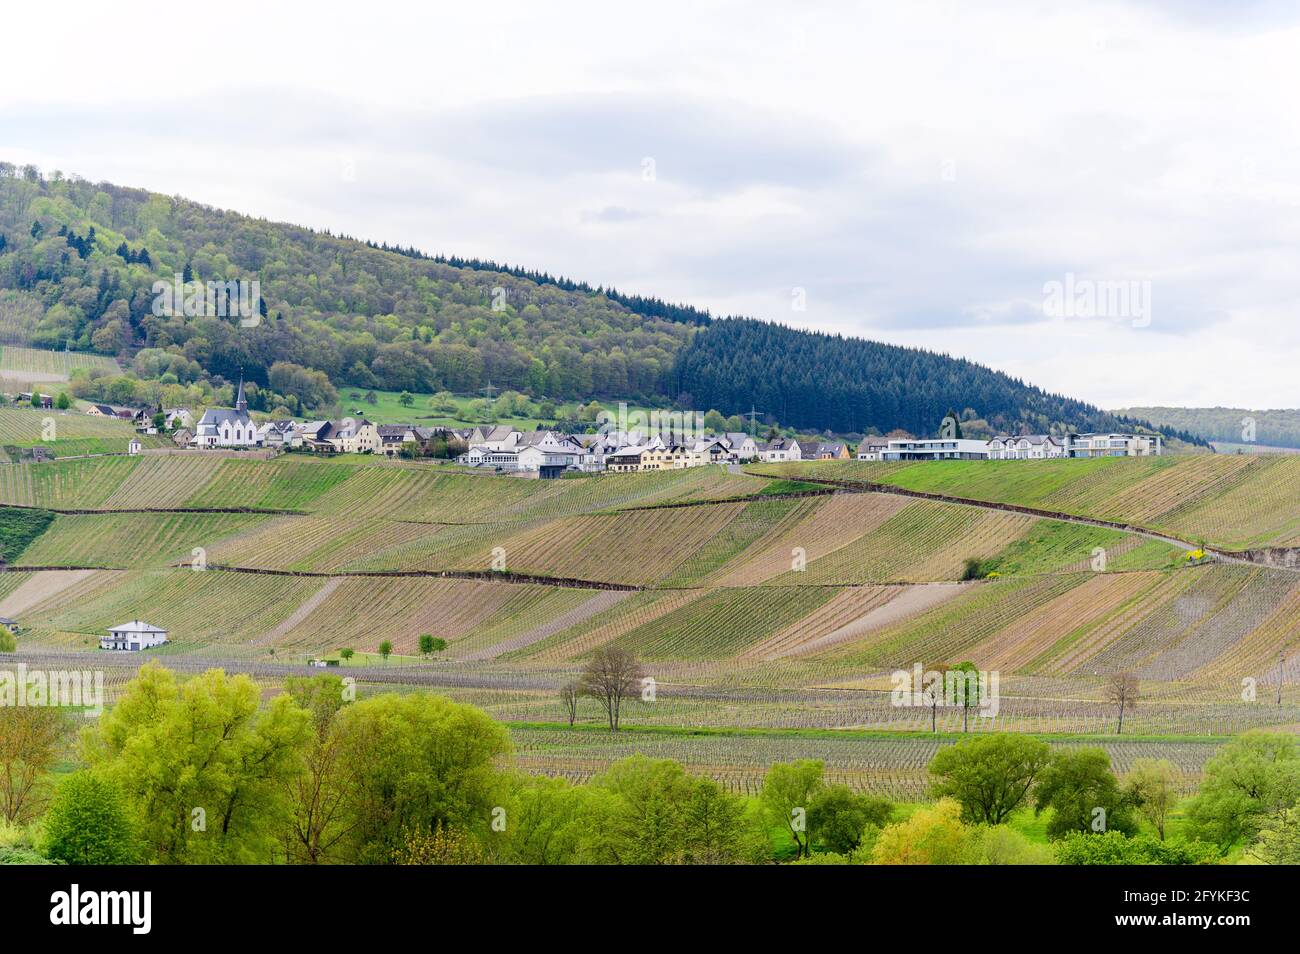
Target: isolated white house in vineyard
x,y
133,637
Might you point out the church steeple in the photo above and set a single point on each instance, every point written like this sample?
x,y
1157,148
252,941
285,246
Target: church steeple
x,y
241,403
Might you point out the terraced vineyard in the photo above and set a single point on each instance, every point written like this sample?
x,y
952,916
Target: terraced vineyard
x,y
750,611
130,540
35,366
1231,501
65,433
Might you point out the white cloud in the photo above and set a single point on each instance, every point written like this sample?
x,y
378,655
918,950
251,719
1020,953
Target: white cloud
x,y
920,170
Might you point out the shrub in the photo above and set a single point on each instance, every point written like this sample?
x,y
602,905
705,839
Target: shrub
x,y
1116,848
88,824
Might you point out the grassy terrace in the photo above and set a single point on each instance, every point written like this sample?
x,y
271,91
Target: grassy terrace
x,y
780,617
1229,501
65,433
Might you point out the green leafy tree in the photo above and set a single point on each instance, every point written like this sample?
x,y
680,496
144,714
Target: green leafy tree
x,y
416,762
1279,839
88,823
788,791
346,654
837,817
63,402
990,776
406,399
1247,782
32,738
1083,794
661,815
316,795
385,649
933,835
553,821
1151,786
202,765
1002,845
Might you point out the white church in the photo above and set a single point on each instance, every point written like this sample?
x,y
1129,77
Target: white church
x,y
222,427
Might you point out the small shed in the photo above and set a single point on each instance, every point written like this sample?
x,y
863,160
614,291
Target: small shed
x,y
133,447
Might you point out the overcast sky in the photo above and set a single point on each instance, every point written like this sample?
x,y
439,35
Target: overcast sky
x,y
919,173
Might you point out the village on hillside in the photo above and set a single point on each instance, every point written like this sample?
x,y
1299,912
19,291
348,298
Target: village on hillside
x,y
549,453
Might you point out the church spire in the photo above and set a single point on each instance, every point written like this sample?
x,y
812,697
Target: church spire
x,y
241,403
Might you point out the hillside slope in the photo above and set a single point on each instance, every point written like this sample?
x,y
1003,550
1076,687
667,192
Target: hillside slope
x,y
1234,502
78,261
1230,425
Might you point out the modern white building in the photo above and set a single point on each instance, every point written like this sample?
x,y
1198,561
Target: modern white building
x,y
548,462
1113,445
942,448
133,637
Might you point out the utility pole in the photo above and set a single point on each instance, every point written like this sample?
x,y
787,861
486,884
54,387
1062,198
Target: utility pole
x,y
753,415
1281,672
489,390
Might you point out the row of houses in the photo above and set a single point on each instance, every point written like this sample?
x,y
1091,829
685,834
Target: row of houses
x,y
550,453
174,418
1007,447
547,453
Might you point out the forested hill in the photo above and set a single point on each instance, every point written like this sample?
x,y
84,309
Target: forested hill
x,y
90,252
1232,425
814,381
78,261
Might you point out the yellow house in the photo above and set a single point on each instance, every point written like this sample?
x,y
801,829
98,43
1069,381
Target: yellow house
x,y
356,437
674,457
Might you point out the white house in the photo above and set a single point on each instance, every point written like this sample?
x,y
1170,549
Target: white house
x,y
482,456
1025,447
498,437
712,450
223,427
872,448
741,445
781,449
133,637
133,446
174,417
351,436
277,434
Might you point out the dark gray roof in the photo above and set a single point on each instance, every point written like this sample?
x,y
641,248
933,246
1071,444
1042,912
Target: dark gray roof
x,y
216,416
